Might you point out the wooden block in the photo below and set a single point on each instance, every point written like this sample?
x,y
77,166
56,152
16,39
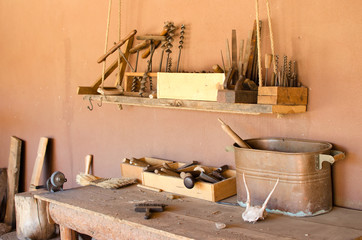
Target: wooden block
x,y
132,171
283,95
38,165
191,86
13,179
32,217
238,96
207,191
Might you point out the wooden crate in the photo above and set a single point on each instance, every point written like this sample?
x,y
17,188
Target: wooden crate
x,y
132,171
283,95
190,86
202,190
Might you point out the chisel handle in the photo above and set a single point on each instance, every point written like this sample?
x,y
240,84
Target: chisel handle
x,y
268,60
233,135
88,162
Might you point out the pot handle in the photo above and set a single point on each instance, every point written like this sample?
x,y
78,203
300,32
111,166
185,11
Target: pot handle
x,y
333,157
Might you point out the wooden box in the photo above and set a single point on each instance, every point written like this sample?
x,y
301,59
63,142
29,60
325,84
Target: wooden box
x,y
202,190
189,86
237,96
283,95
132,171
128,79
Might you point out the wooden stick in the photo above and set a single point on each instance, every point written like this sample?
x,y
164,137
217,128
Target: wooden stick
x,y
233,135
38,165
88,162
13,179
118,45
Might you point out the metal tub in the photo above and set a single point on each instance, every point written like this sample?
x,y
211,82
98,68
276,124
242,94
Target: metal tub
x,y
304,170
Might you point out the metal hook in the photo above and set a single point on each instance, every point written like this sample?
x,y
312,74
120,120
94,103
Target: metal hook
x,y
100,105
91,104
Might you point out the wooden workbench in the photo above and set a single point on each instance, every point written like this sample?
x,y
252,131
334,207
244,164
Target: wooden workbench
x,y
109,214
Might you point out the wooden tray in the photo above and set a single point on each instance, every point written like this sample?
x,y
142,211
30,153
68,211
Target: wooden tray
x,y
202,190
132,171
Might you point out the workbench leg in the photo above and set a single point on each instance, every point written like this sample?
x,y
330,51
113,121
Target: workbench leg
x,y
67,233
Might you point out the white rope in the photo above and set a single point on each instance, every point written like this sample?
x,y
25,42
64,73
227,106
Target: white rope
x,y
106,43
119,39
271,36
258,42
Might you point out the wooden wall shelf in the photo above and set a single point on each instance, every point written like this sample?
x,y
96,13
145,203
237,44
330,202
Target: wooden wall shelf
x,y
207,106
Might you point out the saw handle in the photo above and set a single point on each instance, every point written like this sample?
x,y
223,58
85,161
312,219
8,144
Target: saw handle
x,y
233,135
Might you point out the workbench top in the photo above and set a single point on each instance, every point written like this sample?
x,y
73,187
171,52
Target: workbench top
x,y
109,214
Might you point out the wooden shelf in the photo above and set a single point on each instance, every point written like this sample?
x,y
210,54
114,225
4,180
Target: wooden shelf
x,y
207,106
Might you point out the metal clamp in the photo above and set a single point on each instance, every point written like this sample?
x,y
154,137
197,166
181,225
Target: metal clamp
x,y
333,157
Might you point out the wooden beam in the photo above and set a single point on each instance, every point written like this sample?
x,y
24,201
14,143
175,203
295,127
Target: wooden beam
x,y
13,179
38,165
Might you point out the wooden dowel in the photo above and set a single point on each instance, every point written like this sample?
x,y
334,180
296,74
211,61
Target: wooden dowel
x,y
233,135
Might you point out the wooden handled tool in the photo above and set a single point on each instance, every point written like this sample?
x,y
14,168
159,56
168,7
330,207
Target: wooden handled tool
x,y
88,162
268,60
157,43
217,69
115,47
140,46
233,135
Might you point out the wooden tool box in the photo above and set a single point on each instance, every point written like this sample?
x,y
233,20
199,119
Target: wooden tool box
x,y
283,95
132,171
202,190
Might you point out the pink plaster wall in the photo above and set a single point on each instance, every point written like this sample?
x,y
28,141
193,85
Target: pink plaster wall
x,y
48,48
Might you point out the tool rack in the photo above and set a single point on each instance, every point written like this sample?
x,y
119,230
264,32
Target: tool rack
x,y
207,106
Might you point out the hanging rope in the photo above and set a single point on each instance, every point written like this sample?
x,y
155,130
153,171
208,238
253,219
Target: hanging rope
x,y
271,36
119,39
106,43
258,41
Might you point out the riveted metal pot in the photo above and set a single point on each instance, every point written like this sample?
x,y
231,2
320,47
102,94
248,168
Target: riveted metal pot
x,y
302,166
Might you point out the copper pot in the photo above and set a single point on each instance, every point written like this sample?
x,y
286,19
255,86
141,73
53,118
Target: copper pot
x,y
304,170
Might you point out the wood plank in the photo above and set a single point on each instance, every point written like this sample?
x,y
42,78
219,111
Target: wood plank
x,y
38,165
13,179
284,109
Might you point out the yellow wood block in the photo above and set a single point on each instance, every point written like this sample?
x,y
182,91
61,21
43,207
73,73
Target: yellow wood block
x,y
191,86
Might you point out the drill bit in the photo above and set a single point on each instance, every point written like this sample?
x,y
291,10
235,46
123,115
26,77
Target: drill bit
x,y
163,46
135,79
284,75
276,75
171,28
290,74
181,42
